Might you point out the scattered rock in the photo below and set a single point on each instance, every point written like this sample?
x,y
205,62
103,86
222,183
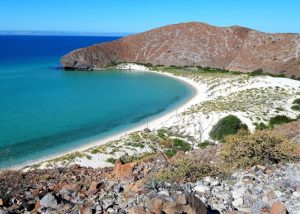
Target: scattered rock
x,y
202,189
278,208
49,201
237,202
123,171
94,188
180,203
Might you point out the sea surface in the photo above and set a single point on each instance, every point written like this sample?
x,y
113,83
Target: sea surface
x,y
45,110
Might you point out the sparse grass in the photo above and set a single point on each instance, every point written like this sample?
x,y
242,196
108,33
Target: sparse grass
x,y
96,150
68,157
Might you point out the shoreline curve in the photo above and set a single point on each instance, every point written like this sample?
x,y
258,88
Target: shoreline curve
x,y
154,123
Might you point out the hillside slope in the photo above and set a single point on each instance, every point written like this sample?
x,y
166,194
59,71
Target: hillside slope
x,y
232,48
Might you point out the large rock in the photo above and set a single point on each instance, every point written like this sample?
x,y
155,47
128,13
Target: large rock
x,y
232,48
49,201
122,171
179,204
94,188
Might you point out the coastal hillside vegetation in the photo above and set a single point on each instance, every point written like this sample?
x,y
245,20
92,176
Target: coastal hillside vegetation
x,y
241,150
296,105
208,70
227,125
177,145
262,147
189,169
279,119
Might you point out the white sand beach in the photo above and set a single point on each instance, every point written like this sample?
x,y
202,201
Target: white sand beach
x,y
193,119
199,95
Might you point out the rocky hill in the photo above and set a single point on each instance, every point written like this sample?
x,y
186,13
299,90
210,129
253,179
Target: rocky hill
x,y
233,48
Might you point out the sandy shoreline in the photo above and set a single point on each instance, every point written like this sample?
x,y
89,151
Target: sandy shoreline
x,y
199,95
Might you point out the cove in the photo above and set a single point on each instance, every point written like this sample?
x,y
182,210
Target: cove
x,y
44,110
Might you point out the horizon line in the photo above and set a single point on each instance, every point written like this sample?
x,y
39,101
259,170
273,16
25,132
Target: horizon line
x,y
59,33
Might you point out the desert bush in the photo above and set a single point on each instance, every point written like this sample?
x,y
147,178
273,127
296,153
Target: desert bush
x,y
262,147
129,159
177,145
188,169
227,125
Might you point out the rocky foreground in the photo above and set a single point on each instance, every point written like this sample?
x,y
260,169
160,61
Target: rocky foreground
x,y
196,44
133,188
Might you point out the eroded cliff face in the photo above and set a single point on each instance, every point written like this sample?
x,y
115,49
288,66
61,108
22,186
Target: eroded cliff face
x,y
233,48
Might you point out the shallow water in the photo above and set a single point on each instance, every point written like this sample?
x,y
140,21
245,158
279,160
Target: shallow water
x,y
44,110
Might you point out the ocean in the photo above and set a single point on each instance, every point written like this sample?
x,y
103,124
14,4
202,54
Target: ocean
x,y
45,110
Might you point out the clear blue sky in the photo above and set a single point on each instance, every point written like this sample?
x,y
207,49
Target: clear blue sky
x,y
140,15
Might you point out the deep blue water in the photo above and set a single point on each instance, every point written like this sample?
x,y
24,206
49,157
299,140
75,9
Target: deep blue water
x,y
44,110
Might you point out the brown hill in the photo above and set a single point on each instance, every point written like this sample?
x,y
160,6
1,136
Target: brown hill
x,y
233,48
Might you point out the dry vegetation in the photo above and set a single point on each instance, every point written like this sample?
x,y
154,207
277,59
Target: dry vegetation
x,y
241,150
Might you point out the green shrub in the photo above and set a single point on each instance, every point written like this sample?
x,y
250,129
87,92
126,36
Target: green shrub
x,y
204,144
257,72
170,152
261,126
177,145
279,119
262,147
128,159
180,145
162,133
296,107
293,77
111,160
297,101
227,125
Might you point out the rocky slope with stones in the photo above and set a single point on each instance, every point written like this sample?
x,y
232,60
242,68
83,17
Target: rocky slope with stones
x,y
233,48
132,188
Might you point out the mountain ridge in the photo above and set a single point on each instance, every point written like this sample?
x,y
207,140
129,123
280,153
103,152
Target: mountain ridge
x,y
196,44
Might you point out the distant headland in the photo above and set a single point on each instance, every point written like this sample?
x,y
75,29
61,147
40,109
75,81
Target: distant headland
x,y
197,44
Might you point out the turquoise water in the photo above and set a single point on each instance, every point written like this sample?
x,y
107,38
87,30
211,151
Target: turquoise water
x,y
44,111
